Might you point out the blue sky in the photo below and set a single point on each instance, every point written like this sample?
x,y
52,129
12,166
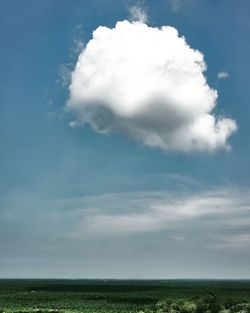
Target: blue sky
x,y
78,203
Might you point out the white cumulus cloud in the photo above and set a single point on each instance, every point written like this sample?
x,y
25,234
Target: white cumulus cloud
x,y
148,84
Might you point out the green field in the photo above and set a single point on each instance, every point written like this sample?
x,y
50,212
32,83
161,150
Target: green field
x,y
122,296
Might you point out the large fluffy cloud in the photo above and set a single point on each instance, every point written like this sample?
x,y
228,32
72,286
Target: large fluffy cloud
x,y
149,84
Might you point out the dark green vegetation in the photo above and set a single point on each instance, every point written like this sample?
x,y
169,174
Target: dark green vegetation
x,y
99,296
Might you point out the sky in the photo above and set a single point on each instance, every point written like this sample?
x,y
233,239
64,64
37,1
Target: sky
x,y
124,133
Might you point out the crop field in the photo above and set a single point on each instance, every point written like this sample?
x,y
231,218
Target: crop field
x,y
124,296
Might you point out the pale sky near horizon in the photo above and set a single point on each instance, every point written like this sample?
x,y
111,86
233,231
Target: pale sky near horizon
x,y
125,152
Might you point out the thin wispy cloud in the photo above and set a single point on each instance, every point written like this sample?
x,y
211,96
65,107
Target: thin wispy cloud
x,y
162,211
218,212
138,13
176,4
129,224
223,75
235,242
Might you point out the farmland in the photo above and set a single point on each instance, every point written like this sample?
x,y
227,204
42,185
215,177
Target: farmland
x,y
124,296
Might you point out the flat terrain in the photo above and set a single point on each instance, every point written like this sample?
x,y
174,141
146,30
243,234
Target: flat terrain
x,y
91,296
